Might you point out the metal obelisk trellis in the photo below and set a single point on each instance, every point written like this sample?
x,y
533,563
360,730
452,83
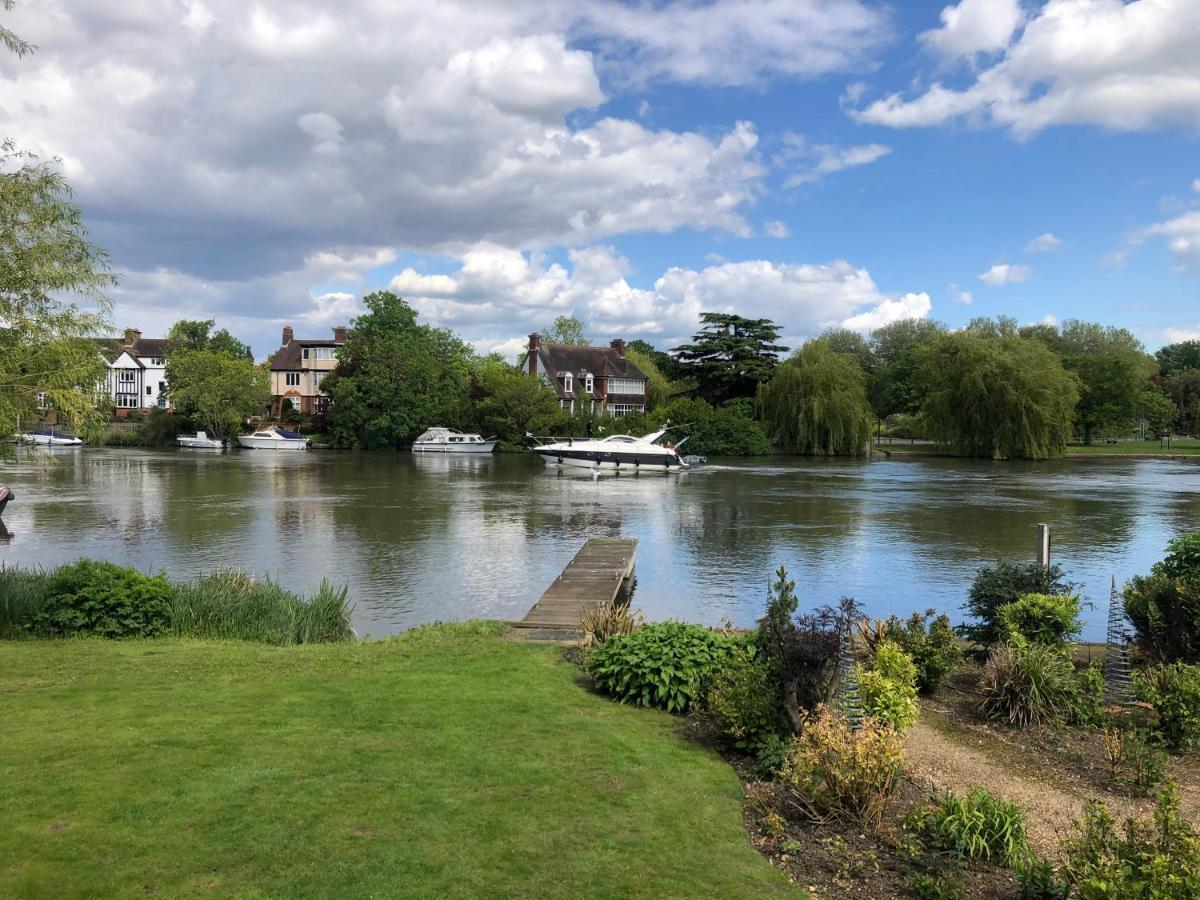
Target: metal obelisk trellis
x,y
848,696
1118,687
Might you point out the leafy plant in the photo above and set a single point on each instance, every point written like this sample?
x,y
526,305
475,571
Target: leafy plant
x,y
1003,583
1027,684
1041,618
1164,606
1145,764
604,622
1038,879
928,886
666,665
889,687
833,772
1085,707
99,598
743,703
928,638
22,596
1174,692
977,826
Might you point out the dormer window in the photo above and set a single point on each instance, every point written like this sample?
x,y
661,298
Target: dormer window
x,y
568,382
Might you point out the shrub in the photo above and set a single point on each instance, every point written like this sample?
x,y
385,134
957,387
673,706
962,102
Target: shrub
x,y
1027,684
1003,583
1146,859
927,886
1086,707
930,641
977,826
665,665
833,772
1183,557
1174,692
22,596
1038,879
1132,760
743,704
99,598
604,622
889,687
1041,618
1164,607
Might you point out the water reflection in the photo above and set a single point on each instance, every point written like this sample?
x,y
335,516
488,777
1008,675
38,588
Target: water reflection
x,y
421,538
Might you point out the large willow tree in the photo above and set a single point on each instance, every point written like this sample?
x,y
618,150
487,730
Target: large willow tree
x,y
997,397
816,403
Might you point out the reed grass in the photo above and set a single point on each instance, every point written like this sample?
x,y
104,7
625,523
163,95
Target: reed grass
x,y
22,596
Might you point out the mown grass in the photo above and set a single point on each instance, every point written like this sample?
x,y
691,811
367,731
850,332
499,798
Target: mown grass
x,y
452,762
1178,447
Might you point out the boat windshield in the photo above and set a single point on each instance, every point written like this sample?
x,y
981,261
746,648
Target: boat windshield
x,y
620,439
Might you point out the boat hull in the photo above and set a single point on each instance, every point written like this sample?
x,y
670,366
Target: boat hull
x,y
45,440
200,443
485,447
623,462
253,443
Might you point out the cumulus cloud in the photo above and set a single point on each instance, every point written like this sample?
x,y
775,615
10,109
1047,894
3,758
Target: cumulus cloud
x,y
1044,243
1177,335
810,162
960,296
972,27
1006,273
776,229
1121,66
1182,234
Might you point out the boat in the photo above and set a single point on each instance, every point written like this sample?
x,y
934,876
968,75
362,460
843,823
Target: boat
x,y
200,441
5,496
622,452
444,440
273,439
47,437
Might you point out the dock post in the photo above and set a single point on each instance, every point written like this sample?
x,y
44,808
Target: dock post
x,y
1043,545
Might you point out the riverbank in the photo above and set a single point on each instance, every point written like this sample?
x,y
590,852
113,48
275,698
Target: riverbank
x,y
1181,448
450,762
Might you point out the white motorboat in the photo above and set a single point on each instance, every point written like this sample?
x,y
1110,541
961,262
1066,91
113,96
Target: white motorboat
x,y
443,440
621,452
200,441
47,437
273,439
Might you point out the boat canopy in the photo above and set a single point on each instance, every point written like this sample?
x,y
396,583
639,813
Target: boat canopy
x,y
291,435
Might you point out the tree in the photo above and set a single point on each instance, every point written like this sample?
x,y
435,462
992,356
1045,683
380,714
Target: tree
x,y
10,40
995,397
196,334
1154,409
842,340
730,356
658,389
1185,393
215,390
894,348
817,403
1175,359
1112,368
509,403
662,361
566,330
395,377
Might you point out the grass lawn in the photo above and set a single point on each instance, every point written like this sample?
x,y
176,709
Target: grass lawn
x,y
1179,447
448,763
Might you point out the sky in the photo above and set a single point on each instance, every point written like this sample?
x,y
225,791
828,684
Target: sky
x,y
823,163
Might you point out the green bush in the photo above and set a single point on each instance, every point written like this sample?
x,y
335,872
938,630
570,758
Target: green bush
x,y
22,596
1164,607
1174,692
1086,707
1133,760
1038,879
1004,583
666,665
889,687
99,598
1041,618
928,886
1183,557
743,703
1026,684
930,641
977,826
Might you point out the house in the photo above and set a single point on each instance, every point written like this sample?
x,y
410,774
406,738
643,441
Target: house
x,y
599,376
137,372
298,368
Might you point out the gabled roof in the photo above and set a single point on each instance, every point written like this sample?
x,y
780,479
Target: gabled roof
x,y
288,357
603,361
112,348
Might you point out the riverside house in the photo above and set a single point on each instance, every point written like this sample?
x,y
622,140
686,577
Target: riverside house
x,y
137,373
601,376
297,369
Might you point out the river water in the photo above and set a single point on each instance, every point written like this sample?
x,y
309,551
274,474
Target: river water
x,y
422,539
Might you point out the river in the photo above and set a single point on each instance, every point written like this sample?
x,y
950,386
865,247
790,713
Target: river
x,y
422,539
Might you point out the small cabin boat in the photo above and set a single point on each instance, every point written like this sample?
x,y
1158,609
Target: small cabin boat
x,y
48,437
200,441
273,439
443,440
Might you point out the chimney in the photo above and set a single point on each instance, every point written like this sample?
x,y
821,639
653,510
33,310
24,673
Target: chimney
x,y
618,345
288,335
132,336
535,342
340,334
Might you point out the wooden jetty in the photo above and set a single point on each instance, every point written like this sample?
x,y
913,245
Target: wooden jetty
x,y
593,578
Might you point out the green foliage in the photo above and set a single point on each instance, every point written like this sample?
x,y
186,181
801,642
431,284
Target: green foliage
x,y
1004,397
1174,692
1183,557
509,404
1038,879
896,350
1184,391
927,638
666,665
1155,408
816,403
1111,368
158,429
834,772
1086,707
977,826
1145,860
1051,619
232,605
1164,607
730,356
566,330
22,596
1175,359
215,390
889,687
726,430
1026,684
99,598
609,621
930,886
658,389
1003,583
190,334
1133,760
395,377
743,704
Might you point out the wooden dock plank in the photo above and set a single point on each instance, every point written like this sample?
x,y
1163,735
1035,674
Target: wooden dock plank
x,y
593,578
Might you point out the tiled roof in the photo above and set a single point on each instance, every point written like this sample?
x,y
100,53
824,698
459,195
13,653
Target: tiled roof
x,y
603,361
112,348
287,357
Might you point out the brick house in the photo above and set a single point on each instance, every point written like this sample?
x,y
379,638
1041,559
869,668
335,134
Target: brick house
x,y
601,376
297,369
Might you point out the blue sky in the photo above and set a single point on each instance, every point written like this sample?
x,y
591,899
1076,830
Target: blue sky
x,y
821,162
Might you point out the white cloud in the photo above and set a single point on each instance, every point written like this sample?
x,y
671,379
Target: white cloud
x,y
1121,66
776,229
1182,234
1196,185
910,306
812,162
960,296
1044,243
1177,335
1006,273
972,27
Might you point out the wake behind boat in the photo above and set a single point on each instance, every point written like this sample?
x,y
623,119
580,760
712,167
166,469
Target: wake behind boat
x,y
617,451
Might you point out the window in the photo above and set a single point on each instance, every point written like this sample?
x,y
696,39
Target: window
x,y
317,378
156,360
292,379
588,383
291,403
149,390
620,409
127,376
319,353
626,386
568,381
43,400
127,401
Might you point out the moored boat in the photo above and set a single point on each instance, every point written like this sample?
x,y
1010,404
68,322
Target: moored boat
x,y
622,452
273,439
445,440
200,441
48,437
